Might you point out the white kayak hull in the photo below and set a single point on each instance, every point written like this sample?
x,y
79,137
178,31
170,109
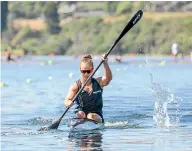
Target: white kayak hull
x,y
85,125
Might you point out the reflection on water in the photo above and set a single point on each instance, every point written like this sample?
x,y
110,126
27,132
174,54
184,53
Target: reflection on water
x,y
86,141
166,139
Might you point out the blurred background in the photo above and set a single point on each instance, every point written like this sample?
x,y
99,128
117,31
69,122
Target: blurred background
x,y
75,27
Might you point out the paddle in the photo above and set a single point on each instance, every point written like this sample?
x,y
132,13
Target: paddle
x,y
129,25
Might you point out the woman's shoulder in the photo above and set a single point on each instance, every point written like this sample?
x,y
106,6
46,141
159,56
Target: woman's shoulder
x,y
74,86
98,80
77,84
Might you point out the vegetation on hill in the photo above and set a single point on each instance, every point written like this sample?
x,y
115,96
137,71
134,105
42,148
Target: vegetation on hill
x,y
65,33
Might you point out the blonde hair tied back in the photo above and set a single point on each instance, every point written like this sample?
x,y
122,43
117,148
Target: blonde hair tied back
x,y
87,59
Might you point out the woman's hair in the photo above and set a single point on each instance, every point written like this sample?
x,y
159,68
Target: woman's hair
x,y
87,59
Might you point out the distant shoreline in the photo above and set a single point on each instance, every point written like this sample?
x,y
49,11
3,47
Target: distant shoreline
x,y
48,60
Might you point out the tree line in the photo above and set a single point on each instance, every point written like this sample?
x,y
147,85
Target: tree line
x,y
84,35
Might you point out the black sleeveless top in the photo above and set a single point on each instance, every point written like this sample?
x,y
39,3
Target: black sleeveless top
x,y
90,102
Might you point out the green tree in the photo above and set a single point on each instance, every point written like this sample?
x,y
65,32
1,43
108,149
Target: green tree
x,y
4,12
110,6
52,17
124,7
30,9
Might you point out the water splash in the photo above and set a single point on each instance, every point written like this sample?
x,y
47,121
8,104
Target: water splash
x,y
163,99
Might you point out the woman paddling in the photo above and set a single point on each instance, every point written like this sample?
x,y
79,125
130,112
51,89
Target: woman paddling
x,y
89,101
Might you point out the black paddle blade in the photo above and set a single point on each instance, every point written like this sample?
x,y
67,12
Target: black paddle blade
x,y
130,24
54,125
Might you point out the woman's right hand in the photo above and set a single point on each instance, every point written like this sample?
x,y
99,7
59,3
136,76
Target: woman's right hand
x,y
68,103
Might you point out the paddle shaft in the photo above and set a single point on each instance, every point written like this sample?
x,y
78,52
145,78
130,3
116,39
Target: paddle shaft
x,y
130,24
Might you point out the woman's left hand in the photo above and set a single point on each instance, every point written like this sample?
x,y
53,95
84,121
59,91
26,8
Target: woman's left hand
x,y
104,60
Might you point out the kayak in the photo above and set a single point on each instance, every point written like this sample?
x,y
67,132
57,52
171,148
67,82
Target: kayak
x,y
84,124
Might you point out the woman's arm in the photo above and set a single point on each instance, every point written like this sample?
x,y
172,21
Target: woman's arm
x,y
105,80
72,92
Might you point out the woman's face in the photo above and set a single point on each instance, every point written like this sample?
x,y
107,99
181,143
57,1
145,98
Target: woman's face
x,y
86,70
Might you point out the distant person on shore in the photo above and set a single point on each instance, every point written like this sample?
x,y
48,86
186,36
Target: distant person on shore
x,y
174,50
118,59
8,56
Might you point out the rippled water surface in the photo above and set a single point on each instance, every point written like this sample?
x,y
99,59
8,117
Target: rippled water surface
x,y
147,106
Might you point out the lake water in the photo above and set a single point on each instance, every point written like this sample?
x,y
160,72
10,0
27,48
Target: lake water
x,y
147,106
